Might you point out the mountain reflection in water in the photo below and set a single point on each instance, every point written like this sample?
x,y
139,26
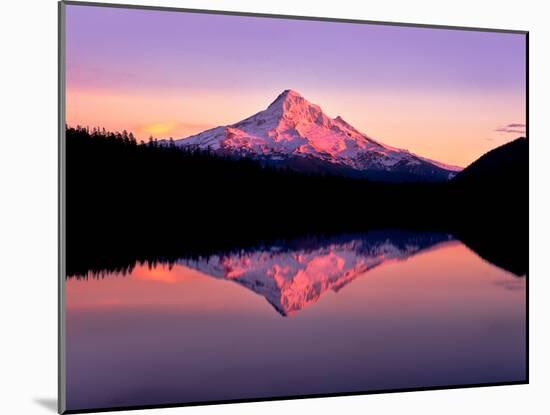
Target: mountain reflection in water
x,y
294,275
418,310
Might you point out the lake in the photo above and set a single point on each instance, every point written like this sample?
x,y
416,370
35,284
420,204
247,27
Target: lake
x,y
357,312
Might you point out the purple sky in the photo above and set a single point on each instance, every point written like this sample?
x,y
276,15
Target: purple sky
x,y
179,73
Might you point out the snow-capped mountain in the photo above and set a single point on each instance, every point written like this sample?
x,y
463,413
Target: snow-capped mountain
x,y
295,133
294,275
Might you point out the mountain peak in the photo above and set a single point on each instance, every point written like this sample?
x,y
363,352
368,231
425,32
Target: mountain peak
x,y
293,128
291,93
289,98
293,107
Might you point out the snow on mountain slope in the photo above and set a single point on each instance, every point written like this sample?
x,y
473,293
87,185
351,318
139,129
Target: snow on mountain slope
x,y
293,277
293,127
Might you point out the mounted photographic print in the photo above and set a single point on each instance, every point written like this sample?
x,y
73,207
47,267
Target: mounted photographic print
x,y
258,207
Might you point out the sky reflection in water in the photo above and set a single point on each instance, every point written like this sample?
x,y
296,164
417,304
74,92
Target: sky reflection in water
x,y
368,312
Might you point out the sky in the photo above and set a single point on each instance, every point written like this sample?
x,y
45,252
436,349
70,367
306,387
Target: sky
x,y
448,95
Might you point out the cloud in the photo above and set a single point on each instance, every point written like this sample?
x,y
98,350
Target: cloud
x,y
509,130
516,128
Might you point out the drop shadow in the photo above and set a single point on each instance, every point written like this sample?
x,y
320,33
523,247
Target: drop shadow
x,y
48,403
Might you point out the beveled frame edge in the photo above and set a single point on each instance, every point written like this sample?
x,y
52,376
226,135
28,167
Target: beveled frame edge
x,y
61,328
287,17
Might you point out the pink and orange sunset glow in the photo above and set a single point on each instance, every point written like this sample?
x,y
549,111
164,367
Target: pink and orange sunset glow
x,y
448,95
327,208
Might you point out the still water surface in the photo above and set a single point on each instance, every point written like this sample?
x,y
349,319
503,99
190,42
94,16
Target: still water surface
x,y
366,312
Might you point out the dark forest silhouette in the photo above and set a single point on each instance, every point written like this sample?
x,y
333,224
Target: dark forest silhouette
x,y
131,202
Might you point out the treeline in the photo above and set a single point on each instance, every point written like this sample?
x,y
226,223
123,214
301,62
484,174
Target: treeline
x,y
129,201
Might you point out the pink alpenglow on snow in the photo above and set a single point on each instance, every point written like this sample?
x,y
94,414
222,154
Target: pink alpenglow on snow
x,y
291,127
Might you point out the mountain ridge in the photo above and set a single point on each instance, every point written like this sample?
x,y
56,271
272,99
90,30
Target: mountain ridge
x,y
509,159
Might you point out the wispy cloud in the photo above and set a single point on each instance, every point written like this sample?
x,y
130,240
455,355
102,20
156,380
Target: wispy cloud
x,y
516,128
